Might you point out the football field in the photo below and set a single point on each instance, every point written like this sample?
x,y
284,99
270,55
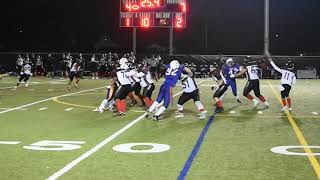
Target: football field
x,y
49,133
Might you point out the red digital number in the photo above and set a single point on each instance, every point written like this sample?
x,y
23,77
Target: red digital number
x,y
156,2
127,22
145,22
179,22
146,3
129,7
184,7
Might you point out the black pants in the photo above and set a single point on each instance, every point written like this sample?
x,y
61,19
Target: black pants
x,y
252,85
136,88
123,91
185,97
24,77
73,75
147,91
285,93
222,89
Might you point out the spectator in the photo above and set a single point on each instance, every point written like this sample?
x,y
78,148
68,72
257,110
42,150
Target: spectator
x,y
39,66
94,67
50,66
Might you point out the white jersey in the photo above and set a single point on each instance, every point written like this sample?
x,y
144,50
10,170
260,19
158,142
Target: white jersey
x,y
75,67
146,79
189,85
27,69
288,77
252,72
20,62
124,77
134,78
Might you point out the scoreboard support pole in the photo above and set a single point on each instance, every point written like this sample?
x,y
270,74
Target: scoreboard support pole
x,y
266,26
134,40
171,41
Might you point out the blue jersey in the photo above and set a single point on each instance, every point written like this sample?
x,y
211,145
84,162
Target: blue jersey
x,y
228,70
173,75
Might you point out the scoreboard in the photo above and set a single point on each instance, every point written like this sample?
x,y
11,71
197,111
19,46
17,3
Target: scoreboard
x,y
153,13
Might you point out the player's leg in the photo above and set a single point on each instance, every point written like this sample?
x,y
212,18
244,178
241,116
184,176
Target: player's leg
x,y
185,97
284,95
288,89
233,85
147,95
20,79
26,78
256,90
197,102
158,101
137,92
217,95
77,79
246,93
130,95
71,77
105,101
167,98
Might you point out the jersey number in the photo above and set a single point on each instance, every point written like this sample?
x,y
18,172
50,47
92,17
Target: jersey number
x,y
172,72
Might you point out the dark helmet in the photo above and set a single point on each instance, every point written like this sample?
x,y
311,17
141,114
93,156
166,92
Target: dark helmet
x,y
252,63
290,66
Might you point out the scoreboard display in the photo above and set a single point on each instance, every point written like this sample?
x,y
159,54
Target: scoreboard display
x,y
153,13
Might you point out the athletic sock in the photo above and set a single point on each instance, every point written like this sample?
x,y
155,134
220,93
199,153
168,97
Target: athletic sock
x,y
104,104
160,111
249,97
199,106
284,102
153,106
219,104
289,102
179,107
262,99
131,97
123,105
118,104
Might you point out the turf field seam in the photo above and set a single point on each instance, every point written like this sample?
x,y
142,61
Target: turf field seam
x,y
313,160
45,100
196,149
72,164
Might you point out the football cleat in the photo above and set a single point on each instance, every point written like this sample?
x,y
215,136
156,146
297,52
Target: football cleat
x,y
290,109
133,103
284,109
267,104
27,84
202,116
156,118
219,110
100,110
148,114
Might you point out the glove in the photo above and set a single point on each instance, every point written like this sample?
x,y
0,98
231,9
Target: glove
x,y
21,73
232,76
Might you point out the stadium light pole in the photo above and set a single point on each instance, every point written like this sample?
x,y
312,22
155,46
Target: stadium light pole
x,y
171,41
134,41
266,25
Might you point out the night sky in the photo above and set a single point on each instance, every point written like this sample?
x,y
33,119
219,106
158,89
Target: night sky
x,y
232,26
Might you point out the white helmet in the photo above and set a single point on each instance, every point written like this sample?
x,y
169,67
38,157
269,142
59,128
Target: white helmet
x,y
229,61
123,61
174,64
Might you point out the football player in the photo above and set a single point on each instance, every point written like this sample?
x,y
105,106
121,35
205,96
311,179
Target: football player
x,y
25,74
173,73
135,88
221,88
190,91
147,83
74,73
108,102
229,70
288,79
123,79
251,70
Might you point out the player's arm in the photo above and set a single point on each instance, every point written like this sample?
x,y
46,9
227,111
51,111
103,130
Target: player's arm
x,y
239,74
275,67
190,73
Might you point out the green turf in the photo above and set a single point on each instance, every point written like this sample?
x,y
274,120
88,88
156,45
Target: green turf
x,y
237,145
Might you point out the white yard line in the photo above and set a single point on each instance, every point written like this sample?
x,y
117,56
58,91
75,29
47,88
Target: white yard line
x,y
9,142
22,109
42,109
69,109
72,164
33,84
45,100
